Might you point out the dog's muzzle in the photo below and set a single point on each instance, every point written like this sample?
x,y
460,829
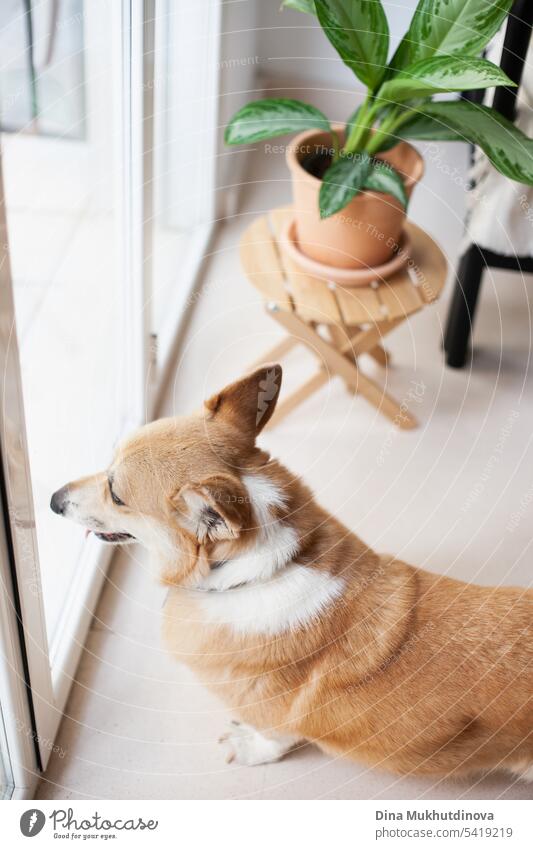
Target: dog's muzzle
x,y
59,500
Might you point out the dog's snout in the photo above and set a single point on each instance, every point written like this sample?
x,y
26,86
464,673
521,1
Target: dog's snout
x,y
59,499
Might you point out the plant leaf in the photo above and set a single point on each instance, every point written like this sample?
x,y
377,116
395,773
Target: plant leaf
x,y
383,178
264,119
447,27
300,5
509,150
425,128
441,74
342,181
359,32
402,56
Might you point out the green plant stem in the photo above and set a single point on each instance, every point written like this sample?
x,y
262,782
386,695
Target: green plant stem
x,y
357,138
387,128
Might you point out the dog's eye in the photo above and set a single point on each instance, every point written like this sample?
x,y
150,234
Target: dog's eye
x,y
114,497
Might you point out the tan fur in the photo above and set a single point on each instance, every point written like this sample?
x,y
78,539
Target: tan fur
x,y
407,670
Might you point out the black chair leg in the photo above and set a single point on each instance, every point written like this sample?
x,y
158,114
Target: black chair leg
x,y
473,261
463,306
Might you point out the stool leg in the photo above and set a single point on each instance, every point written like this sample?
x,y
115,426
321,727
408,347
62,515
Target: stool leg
x,y
463,306
340,339
338,363
380,355
376,395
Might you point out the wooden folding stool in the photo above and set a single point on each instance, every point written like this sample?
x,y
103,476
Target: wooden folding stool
x,y
339,324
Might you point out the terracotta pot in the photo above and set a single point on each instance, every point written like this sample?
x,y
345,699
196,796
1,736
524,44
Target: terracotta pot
x,y
364,233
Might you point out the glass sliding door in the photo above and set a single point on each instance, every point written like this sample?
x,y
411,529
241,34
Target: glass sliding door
x,y
64,249
74,327
105,214
67,228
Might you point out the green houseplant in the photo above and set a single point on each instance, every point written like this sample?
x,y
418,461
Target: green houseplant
x,y
439,54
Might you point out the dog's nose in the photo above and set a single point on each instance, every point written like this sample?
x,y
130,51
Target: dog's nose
x,y
59,499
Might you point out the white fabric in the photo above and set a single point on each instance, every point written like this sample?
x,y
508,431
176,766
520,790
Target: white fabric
x,y
500,211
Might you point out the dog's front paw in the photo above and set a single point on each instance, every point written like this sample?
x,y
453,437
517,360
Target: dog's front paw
x,y
247,746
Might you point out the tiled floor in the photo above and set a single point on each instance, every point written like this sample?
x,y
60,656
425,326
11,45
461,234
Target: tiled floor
x,y
137,724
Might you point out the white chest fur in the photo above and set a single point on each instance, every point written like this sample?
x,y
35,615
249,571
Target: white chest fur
x,y
293,597
262,591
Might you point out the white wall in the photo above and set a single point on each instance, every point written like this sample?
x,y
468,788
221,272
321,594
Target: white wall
x,y
239,82
293,47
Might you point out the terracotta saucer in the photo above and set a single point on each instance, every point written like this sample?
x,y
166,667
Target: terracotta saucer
x,y
344,276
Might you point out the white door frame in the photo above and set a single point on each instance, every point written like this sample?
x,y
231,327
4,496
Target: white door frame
x,y
26,665
134,78
23,755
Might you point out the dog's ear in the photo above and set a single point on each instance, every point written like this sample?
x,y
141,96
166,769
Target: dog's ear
x,y
248,403
217,508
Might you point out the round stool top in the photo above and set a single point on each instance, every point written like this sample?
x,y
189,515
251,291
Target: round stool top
x,y
280,280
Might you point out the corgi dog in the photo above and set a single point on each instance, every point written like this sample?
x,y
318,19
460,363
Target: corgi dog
x,y
299,626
